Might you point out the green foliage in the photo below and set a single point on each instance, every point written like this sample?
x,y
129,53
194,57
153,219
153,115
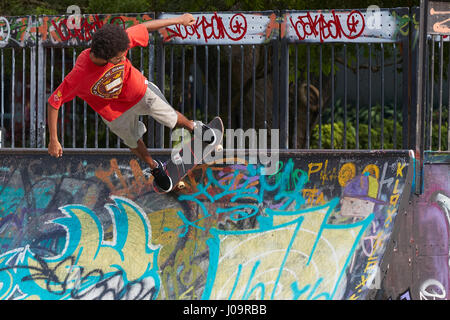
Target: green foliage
x,y
375,139
26,7
444,130
118,6
38,7
392,135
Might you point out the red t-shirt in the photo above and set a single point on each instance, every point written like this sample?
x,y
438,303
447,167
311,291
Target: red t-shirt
x,y
110,89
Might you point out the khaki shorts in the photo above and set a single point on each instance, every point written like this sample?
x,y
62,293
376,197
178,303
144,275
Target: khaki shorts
x,y
154,104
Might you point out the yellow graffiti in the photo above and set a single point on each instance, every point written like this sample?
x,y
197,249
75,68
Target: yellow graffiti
x,y
269,250
347,173
313,197
166,229
92,252
373,170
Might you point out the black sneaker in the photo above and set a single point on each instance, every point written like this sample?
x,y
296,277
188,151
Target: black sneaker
x,y
162,180
207,134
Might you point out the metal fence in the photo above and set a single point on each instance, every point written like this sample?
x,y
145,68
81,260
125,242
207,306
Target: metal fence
x,y
365,86
436,53
339,79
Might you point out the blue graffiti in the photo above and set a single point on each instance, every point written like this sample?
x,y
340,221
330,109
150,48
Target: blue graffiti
x,y
266,224
87,266
289,203
88,262
244,191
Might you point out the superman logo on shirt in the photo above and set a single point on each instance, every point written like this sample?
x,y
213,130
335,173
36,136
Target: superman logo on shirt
x,y
110,83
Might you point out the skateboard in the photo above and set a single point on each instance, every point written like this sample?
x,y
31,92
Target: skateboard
x,y
192,152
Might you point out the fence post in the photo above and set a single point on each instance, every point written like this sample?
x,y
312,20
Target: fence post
x,y
407,88
284,95
411,131
276,88
421,96
33,76
151,78
41,76
160,76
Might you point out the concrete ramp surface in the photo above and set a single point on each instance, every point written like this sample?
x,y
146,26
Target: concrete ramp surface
x,y
89,226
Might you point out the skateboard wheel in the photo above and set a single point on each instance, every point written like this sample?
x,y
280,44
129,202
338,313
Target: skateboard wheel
x,y
219,148
181,185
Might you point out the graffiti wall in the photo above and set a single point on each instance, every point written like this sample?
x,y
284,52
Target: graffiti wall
x,y
220,28
73,30
371,25
360,25
90,226
420,260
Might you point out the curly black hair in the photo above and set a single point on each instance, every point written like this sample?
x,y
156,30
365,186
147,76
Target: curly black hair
x,y
108,41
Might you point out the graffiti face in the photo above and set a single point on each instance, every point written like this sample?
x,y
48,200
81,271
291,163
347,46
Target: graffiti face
x,y
355,207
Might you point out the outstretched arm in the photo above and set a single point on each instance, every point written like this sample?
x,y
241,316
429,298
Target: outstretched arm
x,y
54,147
186,19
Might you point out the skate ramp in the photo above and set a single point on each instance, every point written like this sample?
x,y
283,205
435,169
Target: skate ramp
x,y
90,226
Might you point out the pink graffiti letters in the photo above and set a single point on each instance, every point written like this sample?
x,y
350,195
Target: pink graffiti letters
x,y
211,27
318,25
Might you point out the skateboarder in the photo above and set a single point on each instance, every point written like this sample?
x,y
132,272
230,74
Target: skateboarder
x,y
119,93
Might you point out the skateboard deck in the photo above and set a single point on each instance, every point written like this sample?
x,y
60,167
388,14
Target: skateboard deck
x,y
191,153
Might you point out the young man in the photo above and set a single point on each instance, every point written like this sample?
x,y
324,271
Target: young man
x,y
119,93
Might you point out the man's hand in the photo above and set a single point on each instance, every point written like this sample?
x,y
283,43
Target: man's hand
x,y
55,149
187,20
